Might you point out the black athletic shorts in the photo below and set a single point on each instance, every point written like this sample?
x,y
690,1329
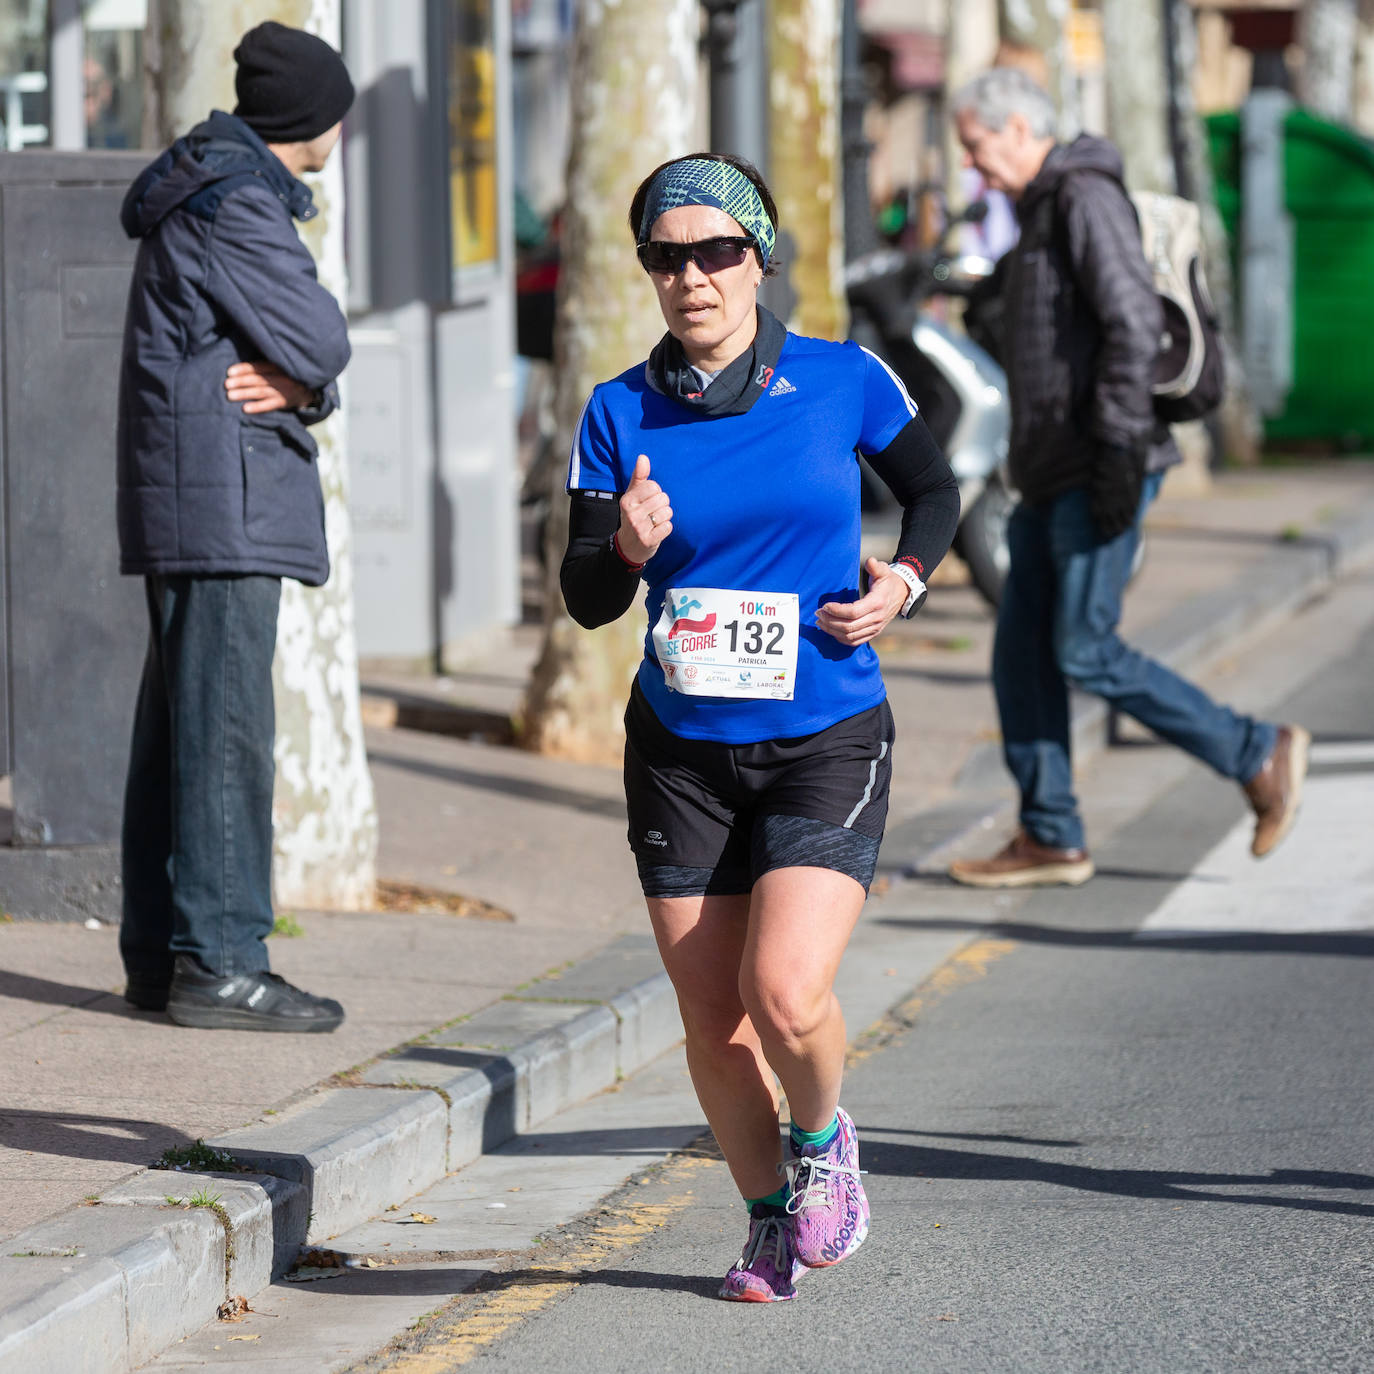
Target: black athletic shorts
x,y
713,818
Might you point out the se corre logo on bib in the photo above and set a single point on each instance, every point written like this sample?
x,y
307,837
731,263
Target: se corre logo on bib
x,y
719,642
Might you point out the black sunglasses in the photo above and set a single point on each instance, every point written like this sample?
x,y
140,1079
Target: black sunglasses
x,y
710,255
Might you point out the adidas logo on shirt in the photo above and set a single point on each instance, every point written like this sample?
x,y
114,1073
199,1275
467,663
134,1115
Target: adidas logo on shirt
x,y
782,387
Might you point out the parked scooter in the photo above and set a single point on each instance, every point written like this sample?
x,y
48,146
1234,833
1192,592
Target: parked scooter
x,y
960,390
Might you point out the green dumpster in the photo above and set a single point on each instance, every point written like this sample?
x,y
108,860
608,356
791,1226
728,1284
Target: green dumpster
x,y
1329,191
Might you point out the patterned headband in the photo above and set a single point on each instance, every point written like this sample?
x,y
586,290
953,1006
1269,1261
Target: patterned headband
x,y
703,181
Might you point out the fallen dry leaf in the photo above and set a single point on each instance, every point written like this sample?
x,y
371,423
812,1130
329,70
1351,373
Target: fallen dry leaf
x,y
397,896
317,1264
312,1275
233,1309
246,1338
423,1218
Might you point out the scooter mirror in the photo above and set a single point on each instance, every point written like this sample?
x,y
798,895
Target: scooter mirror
x,y
973,213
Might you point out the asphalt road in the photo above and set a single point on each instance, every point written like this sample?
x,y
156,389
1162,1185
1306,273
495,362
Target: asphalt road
x,y
1130,1128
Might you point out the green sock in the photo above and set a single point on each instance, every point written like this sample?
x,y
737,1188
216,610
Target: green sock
x,y
822,1137
777,1199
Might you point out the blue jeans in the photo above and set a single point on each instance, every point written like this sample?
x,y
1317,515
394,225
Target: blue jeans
x,y
197,834
1056,626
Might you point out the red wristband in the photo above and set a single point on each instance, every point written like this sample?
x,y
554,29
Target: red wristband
x,y
620,553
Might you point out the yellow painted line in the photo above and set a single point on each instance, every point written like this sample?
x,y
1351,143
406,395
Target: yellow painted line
x,y
521,1294
515,1297
961,968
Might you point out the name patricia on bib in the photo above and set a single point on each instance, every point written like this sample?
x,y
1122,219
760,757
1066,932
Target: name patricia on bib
x,y
718,642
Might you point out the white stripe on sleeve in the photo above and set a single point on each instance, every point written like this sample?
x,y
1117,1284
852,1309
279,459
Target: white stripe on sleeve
x,y
896,380
575,458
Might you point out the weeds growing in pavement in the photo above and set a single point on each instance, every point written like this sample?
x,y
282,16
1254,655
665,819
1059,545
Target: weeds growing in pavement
x,y
197,1158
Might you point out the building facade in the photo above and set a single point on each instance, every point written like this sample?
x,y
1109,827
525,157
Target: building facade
x,y
429,163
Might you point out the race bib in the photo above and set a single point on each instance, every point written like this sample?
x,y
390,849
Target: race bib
x,y
716,643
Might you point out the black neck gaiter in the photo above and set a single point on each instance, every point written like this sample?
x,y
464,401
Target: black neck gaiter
x,y
736,388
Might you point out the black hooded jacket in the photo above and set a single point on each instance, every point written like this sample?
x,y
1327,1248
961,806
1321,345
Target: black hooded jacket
x,y
222,277
1082,324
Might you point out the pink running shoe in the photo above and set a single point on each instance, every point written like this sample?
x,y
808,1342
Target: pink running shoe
x,y
768,1268
827,1199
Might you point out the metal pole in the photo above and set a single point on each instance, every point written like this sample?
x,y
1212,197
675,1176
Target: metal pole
x,y
860,233
1178,144
722,61
67,76
736,49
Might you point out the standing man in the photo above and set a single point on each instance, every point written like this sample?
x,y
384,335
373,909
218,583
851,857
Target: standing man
x,y
1082,329
231,349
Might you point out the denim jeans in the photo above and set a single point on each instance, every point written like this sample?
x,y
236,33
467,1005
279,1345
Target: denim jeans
x,y
197,834
1056,626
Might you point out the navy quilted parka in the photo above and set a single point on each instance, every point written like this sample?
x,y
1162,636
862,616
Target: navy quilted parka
x,y
222,277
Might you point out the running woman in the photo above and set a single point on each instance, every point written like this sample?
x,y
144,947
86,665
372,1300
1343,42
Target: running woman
x,y
721,477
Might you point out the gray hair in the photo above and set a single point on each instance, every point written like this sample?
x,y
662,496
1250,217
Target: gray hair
x,y
1004,91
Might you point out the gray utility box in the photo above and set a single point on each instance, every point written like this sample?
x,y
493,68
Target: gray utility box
x,y
74,631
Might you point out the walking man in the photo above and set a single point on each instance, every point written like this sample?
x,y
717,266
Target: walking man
x,y
1082,329
231,349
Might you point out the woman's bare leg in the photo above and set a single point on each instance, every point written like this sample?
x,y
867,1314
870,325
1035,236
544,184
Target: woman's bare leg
x,y
799,924
702,941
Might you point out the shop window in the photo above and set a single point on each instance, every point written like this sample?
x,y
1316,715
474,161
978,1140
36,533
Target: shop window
x,y
24,104
112,72
100,71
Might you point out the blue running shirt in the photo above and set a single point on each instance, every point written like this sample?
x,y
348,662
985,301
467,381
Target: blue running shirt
x,y
767,501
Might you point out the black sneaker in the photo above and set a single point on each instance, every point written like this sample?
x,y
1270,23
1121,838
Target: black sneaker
x,y
146,993
246,1001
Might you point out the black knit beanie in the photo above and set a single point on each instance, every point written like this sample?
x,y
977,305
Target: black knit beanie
x,y
291,85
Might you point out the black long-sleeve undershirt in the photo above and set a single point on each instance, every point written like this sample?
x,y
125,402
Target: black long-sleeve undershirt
x,y
598,585
916,473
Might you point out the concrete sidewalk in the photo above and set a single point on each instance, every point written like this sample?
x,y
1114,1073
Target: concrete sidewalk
x,y
466,1028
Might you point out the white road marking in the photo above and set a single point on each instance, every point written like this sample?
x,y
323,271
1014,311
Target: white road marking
x,y
1320,879
1358,751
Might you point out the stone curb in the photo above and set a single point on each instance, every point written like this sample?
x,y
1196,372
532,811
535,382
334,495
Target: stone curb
x,y
107,1287
132,1281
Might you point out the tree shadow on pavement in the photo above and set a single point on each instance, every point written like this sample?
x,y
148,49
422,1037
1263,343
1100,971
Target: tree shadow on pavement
x,y
921,1161
1347,944
615,1141
77,1135
1136,875
703,1285
405,1280
525,789
1000,1137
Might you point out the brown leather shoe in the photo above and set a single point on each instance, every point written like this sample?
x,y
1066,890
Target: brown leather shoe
x,y
1275,792
1025,863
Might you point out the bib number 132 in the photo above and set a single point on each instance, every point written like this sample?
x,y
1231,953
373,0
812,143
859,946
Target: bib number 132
x,y
756,636
718,642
